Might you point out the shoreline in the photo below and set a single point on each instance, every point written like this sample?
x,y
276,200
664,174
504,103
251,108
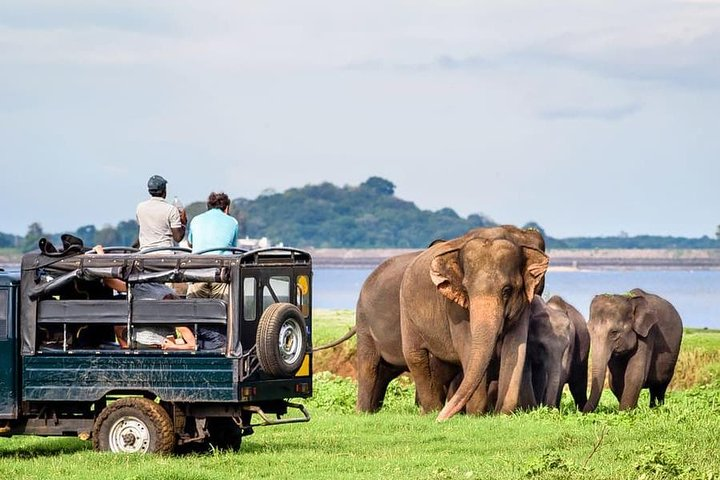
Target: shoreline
x,y
560,260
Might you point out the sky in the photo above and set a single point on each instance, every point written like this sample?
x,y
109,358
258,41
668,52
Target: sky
x,y
592,118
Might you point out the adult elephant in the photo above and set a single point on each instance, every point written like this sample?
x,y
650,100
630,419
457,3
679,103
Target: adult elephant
x,y
379,357
458,301
558,348
637,338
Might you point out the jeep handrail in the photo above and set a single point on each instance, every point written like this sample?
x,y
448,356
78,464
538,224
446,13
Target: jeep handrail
x,y
235,250
295,254
166,249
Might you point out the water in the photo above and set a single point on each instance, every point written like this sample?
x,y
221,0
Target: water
x,y
694,293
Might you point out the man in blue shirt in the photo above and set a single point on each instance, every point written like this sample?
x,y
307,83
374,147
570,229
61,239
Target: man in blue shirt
x,y
212,229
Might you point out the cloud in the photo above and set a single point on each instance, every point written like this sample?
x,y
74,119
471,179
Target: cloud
x,y
591,113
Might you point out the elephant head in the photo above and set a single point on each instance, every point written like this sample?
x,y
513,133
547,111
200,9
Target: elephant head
x,y
616,322
495,280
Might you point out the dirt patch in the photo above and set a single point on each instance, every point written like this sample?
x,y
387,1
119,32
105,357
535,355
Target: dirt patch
x,y
339,360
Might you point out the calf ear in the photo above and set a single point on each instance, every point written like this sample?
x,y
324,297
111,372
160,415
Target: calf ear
x,y
644,317
447,275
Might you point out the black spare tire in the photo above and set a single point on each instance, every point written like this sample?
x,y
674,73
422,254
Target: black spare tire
x,y
281,340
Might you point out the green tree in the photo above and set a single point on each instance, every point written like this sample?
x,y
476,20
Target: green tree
x,y
87,234
34,233
379,186
127,232
107,236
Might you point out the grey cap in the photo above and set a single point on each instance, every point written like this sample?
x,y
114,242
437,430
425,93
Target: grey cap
x,y
156,183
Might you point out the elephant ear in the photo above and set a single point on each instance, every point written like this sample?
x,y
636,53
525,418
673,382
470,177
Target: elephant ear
x,y
446,273
536,264
644,317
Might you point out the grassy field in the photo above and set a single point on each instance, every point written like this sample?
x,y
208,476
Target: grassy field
x,y
679,440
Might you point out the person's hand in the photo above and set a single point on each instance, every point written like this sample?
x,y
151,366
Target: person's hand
x,y
98,249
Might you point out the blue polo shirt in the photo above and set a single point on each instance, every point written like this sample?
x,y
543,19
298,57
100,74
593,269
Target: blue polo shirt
x,y
213,229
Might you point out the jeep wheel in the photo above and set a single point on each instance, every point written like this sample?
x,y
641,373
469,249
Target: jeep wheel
x,y
134,425
281,340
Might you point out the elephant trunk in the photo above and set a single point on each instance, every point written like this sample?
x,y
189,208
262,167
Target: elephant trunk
x,y
600,356
486,322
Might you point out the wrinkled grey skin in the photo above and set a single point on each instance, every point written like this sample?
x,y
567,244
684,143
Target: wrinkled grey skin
x,y
558,348
636,337
462,299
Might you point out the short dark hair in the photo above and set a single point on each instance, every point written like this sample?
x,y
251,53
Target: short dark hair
x,y
158,193
218,200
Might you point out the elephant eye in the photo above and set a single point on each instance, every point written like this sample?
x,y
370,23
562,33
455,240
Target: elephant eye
x,y
506,291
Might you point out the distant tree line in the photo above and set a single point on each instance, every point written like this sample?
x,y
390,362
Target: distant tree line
x,y
364,216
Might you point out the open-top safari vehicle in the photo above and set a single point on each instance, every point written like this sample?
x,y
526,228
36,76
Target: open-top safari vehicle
x,y
64,372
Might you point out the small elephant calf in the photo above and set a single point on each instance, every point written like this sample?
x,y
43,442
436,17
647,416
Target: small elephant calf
x,y
636,337
558,349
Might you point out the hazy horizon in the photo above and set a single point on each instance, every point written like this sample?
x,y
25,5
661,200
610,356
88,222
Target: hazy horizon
x,y
590,118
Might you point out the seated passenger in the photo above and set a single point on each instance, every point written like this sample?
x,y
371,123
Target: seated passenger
x,y
211,337
215,228
159,336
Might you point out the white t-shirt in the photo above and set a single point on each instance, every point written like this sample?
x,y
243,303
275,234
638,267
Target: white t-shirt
x,y
156,219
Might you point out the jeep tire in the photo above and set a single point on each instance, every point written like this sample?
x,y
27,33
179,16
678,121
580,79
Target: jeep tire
x,y
134,425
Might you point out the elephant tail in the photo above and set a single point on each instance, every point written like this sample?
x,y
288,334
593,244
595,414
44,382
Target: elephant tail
x,y
337,342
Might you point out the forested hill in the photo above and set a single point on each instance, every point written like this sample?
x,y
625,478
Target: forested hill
x,y
364,216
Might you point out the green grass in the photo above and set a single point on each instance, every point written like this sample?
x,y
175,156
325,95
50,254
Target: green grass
x,y
329,325
12,254
678,440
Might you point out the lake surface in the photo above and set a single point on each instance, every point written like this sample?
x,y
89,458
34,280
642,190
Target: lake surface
x,y
695,294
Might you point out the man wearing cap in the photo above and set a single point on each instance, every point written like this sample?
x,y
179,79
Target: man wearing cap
x,y
161,224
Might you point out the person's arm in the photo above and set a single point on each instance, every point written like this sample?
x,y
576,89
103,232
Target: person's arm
x,y
178,221
116,284
187,336
178,233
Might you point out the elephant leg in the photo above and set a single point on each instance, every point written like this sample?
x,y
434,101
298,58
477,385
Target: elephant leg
x,y
578,383
526,397
512,364
657,394
616,371
492,395
385,374
635,374
539,383
373,376
445,376
430,394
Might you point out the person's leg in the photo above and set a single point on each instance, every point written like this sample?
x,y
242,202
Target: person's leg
x,y
199,290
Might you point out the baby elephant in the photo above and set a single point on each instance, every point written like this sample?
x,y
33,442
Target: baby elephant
x,y
636,337
558,348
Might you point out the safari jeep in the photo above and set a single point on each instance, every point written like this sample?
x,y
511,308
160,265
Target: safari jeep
x,y
63,371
